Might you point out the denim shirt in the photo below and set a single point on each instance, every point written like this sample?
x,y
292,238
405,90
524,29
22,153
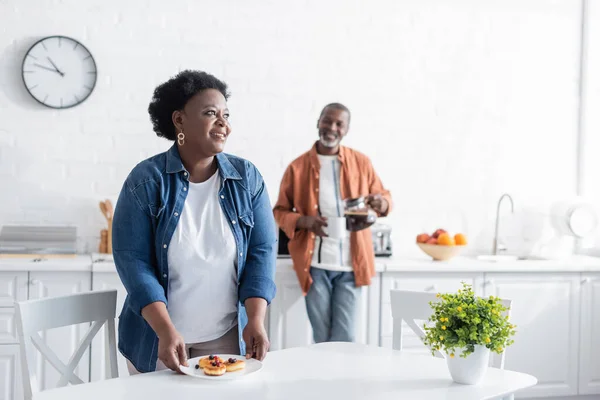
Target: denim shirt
x,y
146,216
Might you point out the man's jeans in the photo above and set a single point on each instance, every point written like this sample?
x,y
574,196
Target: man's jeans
x,y
331,304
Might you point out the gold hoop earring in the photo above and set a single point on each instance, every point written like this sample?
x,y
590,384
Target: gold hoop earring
x,y
180,138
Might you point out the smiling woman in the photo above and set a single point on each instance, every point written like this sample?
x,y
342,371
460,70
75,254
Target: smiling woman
x,y
193,225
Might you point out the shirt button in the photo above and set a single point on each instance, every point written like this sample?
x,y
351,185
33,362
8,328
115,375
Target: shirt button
x,y
176,214
233,222
185,189
317,189
222,196
316,206
305,269
312,235
310,252
165,276
241,254
185,174
164,246
317,176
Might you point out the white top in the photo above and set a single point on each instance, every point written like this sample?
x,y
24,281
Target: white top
x,y
328,370
331,253
203,267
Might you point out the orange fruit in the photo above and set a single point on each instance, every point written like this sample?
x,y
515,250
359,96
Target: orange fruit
x,y
422,238
460,239
445,240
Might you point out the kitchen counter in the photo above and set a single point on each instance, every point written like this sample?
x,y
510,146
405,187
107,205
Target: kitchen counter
x,y
104,263
78,263
472,264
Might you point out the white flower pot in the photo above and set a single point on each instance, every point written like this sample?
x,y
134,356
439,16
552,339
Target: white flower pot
x,y
469,370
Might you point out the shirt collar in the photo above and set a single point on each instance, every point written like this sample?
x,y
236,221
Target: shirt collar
x,y
314,159
226,168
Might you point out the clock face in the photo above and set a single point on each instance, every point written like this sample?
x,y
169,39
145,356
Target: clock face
x,y
59,72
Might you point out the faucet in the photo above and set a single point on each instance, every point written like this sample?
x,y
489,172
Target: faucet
x,y
512,208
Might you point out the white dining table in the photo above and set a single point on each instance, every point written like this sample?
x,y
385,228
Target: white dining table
x,y
328,370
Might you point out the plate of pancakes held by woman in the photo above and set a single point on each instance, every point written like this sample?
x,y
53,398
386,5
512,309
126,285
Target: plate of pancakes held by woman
x,y
221,367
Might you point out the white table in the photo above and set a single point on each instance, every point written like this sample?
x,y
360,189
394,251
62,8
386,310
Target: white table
x,y
330,370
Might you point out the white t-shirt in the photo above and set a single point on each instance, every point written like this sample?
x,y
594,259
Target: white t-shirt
x,y
203,267
330,253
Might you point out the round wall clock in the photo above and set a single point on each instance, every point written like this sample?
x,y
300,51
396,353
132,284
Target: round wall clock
x,y
59,72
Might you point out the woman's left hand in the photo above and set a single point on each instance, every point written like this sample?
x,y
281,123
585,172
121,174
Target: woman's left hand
x,y
257,342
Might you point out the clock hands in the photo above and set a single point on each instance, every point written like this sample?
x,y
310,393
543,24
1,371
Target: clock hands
x,y
54,65
49,69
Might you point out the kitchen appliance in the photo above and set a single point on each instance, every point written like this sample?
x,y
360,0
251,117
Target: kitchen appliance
x,y
382,240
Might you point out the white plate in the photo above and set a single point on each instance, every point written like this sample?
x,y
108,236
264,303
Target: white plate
x,y
252,366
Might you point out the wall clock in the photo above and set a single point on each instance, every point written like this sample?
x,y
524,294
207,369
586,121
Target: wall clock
x,y
59,72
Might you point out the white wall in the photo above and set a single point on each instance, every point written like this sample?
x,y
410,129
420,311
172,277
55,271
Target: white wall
x,y
455,101
590,162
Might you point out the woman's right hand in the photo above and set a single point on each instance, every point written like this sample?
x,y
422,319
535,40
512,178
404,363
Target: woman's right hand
x,y
171,350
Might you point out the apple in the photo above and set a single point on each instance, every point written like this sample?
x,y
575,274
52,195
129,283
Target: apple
x,y
423,238
437,233
432,241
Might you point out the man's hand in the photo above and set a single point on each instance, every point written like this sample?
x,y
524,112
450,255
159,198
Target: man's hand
x,y
171,350
257,342
377,203
313,224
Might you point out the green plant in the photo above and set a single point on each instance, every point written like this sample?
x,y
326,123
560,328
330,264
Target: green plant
x,y
462,320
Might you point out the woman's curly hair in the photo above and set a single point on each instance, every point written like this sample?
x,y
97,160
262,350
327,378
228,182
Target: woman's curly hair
x,y
174,94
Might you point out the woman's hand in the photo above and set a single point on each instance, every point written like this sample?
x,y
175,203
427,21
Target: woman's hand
x,y
171,350
255,335
257,342
171,347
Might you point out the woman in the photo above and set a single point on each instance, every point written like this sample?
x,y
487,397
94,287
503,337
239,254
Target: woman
x,y
193,225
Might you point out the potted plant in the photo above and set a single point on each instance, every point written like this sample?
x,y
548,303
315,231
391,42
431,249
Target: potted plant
x,y
466,328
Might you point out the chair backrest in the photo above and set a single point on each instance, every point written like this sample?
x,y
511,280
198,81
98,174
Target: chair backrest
x,y
410,307
33,316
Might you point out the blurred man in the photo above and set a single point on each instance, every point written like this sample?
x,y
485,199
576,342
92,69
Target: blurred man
x,y
330,270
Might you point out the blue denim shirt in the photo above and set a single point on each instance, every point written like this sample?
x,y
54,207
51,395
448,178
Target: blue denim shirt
x,y
146,216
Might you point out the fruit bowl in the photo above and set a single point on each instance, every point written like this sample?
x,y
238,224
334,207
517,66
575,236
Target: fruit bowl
x,y
440,253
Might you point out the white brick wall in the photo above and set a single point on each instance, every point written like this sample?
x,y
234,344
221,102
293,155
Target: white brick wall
x,y
456,101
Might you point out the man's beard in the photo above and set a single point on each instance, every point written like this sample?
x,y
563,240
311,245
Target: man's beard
x,y
329,143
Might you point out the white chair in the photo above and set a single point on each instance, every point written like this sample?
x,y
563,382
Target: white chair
x,y
34,316
409,306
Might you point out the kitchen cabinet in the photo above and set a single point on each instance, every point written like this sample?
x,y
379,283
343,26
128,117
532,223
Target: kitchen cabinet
x,y
99,363
13,287
589,343
10,373
546,310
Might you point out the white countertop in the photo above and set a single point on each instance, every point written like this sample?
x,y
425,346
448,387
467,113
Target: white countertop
x,y
104,263
78,263
472,264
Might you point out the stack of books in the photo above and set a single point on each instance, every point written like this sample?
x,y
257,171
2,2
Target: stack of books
x,y
38,240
